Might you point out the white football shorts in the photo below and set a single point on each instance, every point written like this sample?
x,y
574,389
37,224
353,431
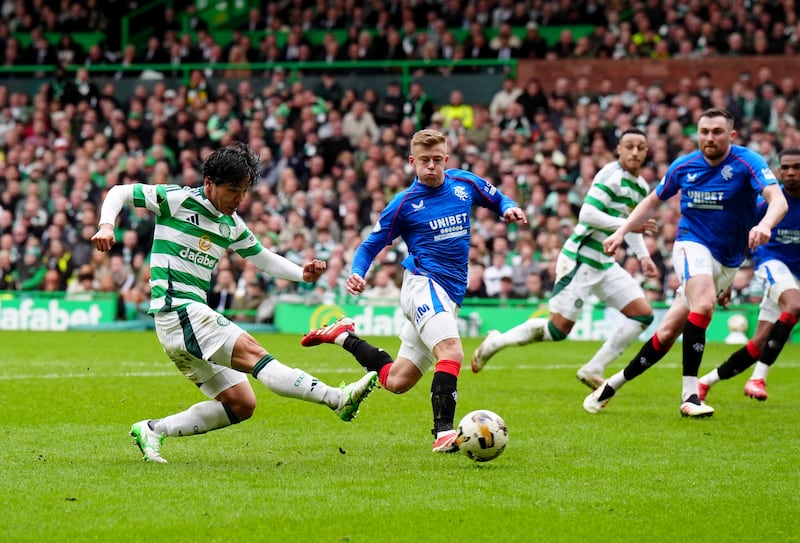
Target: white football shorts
x,y
776,278
575,283
690,258
430,318
200,342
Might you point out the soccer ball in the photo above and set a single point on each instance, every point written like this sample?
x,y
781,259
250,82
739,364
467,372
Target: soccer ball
x,y
482,435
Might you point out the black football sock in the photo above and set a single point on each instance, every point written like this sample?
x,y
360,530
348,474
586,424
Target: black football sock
x,y
694,343
739,361
650,353
778,337
370,357
443,400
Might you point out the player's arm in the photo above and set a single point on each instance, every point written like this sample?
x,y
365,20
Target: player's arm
x,y
776,209
637,219
282,268
383,233
118,197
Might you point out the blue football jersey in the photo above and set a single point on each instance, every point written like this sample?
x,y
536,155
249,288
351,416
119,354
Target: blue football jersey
x,y
718,203
784,244
435,225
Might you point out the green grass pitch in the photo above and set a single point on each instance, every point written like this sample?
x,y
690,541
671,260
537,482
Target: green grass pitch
x,y
295,473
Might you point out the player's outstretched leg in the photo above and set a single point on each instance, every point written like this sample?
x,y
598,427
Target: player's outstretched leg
x,y
530,331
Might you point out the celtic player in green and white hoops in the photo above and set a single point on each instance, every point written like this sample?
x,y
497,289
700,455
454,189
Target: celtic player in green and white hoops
x,y
194,229
583,269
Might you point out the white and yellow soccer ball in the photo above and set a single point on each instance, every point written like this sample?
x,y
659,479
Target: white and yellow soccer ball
x,y
482,435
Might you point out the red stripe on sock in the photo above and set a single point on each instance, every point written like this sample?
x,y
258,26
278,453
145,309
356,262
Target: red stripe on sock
x,y
788,319
753,351
383,374
658,346
699,320
448,366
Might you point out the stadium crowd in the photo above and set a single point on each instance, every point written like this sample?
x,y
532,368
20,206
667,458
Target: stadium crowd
x,y
332,157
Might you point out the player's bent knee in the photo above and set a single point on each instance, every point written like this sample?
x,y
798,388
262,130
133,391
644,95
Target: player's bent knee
x,y
395,386
240,411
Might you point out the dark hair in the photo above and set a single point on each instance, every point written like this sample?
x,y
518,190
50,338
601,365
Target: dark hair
x,y
789,151
637,131
718,112
234,164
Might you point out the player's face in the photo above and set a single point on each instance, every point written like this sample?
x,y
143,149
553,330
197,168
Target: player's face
x,y
632,151
789,174
714,137
226,198
429,163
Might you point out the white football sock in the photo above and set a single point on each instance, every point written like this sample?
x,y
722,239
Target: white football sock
x,y
530,331
689,386
710,378
760,371
619,340
198,419
295,383
617,380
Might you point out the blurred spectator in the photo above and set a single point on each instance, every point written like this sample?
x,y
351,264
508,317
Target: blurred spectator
x,y
535,291
457,109
245,306
382,289
497,269
359,122
418,106
476,287
503,98
31,270
81,88
223,291
389,110
7,275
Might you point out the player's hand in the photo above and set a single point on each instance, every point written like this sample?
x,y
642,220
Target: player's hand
x,y
104,239
612,243
313,270
650,226
515,214
649,268
355,284
759,235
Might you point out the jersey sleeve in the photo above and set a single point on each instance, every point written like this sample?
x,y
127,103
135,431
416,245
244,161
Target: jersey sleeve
x,y
488,196
762,173
596,210
245,243
383,233
157,198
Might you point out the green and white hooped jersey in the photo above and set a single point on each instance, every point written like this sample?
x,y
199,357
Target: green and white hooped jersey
x,y
614,192
191,236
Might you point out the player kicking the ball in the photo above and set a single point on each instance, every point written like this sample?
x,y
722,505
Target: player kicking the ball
x,y
194,229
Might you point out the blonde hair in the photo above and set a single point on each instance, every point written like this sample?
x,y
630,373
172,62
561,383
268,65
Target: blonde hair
x,y
427,138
